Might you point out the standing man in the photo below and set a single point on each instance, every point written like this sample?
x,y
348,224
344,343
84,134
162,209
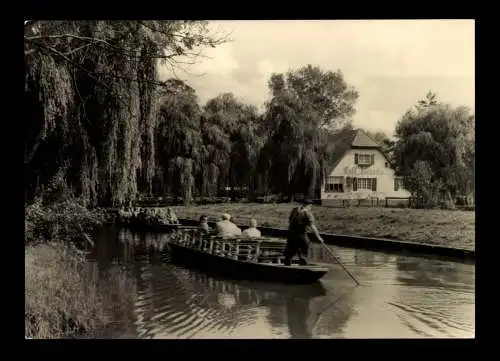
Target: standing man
x,y
300,220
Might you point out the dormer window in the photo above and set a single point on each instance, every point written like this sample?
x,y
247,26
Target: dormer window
x,y
364,159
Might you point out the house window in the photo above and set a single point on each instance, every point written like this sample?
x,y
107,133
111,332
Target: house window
x,y
366,183
364,159
398,183
335,185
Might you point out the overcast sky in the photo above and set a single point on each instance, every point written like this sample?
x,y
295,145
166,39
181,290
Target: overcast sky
x,y
392,63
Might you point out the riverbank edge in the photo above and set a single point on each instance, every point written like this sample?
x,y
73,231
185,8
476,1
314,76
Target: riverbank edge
x,y
370,243
67,307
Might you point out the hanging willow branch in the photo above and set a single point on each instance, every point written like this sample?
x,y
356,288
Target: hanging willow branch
x,y
91,90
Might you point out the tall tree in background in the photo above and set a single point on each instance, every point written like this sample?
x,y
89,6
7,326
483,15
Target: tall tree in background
x,y
306,104
435,150
232,141
219,118
178,138
90,93
247,141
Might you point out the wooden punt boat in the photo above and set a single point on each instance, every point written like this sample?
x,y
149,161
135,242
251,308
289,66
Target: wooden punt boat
x,y
140,226
256,259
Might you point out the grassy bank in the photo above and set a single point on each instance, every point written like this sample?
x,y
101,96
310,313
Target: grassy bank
x,y
62,296
441,227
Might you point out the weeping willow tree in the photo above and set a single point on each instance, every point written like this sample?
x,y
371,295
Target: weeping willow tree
x,y
435,152
90,94
202,151
248,139
214,159
178,138
232,139
306,105
220,117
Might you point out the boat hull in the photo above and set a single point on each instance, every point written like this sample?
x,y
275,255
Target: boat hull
x,y
245,270
236,287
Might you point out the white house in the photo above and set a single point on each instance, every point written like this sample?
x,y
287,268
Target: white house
x,y
359,170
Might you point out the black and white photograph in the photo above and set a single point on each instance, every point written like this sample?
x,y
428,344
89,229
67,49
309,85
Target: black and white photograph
x,y
249,179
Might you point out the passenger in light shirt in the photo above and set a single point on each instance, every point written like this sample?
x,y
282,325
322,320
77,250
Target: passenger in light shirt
x,y
226,228
252,231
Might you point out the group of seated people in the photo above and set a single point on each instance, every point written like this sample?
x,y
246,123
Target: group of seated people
x,y
227,229
148,215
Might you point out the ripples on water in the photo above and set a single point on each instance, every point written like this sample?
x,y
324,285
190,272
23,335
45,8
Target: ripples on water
x,y
400,297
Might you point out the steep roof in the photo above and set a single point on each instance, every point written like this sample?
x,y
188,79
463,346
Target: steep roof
x,y
348,139
362,140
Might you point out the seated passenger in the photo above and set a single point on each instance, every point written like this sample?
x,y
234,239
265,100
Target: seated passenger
x,y
172,218
204,227
226,228
252,231
122,212
160,214
142,216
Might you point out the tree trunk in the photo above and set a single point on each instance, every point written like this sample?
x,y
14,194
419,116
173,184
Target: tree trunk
x,y
231,180
450,199
202,185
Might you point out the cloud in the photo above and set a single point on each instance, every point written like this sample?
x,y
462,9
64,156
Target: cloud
x,y
391,63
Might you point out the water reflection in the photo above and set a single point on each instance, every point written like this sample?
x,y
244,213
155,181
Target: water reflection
x,y
438,299
180,303
399,297
370,259
434,273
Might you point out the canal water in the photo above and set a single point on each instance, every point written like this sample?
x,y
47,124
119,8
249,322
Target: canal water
x,y
400,297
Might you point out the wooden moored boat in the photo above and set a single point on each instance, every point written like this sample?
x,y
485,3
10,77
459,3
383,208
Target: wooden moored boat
x,y
240,258
142,226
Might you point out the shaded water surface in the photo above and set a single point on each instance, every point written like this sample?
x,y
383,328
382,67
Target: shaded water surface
x,y
400,297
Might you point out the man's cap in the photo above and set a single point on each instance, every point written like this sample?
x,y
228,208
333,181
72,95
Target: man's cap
x,y
307,202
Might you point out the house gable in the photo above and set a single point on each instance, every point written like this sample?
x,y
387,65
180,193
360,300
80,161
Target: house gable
x,y
378,161
362,140
346,140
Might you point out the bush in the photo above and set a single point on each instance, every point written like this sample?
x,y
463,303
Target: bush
x,y
55,215
66,221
